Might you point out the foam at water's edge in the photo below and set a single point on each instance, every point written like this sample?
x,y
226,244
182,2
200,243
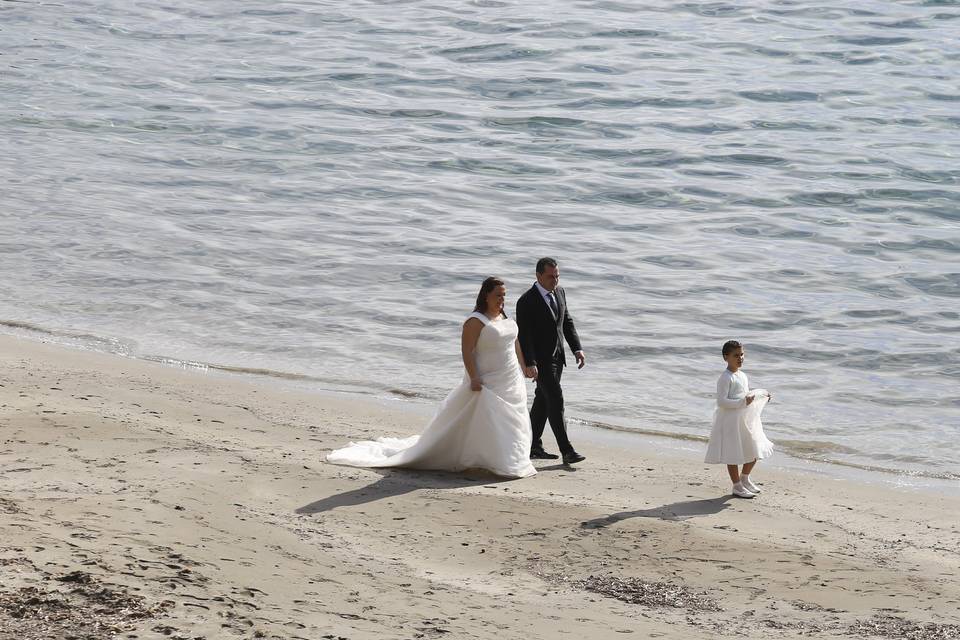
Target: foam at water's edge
x,y
79,339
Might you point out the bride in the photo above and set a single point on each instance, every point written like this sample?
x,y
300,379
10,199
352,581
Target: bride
x,y
483,423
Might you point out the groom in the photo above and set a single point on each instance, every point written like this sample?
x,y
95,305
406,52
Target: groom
x,y
544,323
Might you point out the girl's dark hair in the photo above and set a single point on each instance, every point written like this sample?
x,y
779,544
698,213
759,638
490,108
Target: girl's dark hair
x,y
488,285
729,346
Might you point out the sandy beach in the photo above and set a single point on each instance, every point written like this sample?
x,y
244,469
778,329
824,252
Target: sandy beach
x,y
144,501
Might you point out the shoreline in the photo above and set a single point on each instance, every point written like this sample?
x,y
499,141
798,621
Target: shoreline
x,y
156,502
599,430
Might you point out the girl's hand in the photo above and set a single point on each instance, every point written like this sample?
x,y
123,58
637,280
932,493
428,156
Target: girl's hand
x,y
750,399
476,384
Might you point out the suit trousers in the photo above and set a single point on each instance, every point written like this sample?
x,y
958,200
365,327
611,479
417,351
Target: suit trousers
x,y
548,404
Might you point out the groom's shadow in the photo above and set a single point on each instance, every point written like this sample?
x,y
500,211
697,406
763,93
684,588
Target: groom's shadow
x,y
396,482
675,511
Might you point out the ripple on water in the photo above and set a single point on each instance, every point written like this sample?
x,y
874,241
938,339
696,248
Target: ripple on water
x,y
946,285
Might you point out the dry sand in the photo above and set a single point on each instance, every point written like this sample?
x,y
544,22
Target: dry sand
x,y
144,501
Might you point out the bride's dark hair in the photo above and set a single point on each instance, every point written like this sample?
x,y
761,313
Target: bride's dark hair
x,y
488,285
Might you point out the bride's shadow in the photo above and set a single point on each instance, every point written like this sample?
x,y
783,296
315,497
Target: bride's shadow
x,y
396,482
675,511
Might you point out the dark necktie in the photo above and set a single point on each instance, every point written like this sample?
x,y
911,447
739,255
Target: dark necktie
x,y
553,305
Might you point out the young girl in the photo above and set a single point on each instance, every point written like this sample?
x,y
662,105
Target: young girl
x,y
737,435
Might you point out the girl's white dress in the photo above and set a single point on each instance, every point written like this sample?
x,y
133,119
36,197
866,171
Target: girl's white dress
x,y
489,429
737,436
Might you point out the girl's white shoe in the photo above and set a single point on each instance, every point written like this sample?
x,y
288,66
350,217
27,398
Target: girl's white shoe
x,y
740,491
749,486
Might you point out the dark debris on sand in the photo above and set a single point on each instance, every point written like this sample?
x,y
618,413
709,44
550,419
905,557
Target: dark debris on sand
x,y
645,593
677,596
81,607
879,626
895,627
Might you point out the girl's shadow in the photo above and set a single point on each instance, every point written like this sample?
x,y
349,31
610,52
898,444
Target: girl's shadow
x,y
675,511
396,482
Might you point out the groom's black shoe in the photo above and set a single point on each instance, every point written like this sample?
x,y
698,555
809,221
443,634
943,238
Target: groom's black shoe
x,y
572,457
540,454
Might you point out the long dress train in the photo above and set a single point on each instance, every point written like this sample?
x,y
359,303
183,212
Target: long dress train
x,y
489,429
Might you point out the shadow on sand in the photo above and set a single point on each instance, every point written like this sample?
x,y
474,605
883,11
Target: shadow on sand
x,y
558,466
674,511
396,482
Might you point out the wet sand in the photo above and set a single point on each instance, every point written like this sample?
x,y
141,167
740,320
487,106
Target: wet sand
x,y
144,501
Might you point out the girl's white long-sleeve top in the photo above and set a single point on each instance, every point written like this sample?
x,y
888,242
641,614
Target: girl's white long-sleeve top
x,y
732,390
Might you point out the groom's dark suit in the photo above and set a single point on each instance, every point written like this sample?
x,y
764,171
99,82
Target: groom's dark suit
x,y
542,333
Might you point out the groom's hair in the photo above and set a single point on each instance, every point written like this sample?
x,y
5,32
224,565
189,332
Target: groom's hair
x,y
729,346
543,263
488,285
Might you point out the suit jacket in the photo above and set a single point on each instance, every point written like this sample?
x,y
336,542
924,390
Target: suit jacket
x,y
542,334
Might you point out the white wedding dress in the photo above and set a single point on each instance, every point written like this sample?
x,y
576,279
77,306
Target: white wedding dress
x,y
489,429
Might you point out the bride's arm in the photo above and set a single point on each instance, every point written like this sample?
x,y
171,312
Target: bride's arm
x,y
519,352
531,371
468,344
